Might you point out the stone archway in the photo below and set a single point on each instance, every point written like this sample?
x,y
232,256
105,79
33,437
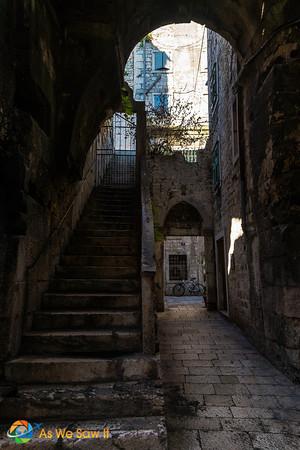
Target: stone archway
x,y
59,51
182,219
100,39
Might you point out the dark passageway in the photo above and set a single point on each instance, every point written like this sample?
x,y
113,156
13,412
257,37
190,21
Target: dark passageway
x,y
80,295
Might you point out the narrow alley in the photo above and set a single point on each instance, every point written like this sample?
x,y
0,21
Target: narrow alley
x,y
149,224
221,394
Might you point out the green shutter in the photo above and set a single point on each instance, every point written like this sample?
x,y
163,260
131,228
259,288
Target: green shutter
x,y
216,166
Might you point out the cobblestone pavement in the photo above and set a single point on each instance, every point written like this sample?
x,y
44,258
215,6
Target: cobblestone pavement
x,y
221,394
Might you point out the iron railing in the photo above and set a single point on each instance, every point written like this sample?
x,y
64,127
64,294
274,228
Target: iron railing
x,y
116,152
190,154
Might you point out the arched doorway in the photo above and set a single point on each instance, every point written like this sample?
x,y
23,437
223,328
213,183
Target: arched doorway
x,y
184,257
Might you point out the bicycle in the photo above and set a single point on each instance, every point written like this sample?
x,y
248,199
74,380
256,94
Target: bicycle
x,y
191,287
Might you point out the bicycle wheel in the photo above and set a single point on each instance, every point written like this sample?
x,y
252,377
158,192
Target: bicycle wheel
x,y
199,289
178,290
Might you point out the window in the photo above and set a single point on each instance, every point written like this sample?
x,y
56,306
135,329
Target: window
x,y
160,101
213,87
235,130
177,267
160,61
216,166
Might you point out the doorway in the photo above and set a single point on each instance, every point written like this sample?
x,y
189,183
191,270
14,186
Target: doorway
x,y
221,276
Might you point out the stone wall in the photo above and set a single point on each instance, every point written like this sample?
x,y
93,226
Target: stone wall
x,y
227,196
255,205
174,180
193,248
61,73
186,76
271,99
40,201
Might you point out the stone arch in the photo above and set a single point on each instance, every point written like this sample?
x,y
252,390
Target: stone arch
x,y
183,219
121,28
199,205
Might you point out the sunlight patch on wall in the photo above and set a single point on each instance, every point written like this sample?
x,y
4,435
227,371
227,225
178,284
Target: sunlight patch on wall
x,y
236,232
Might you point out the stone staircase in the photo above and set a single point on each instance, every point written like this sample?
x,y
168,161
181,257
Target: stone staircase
x,y
82,358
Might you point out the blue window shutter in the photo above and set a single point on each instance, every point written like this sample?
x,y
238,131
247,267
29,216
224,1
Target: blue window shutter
x,y
160,101
160,60
156,101
157,60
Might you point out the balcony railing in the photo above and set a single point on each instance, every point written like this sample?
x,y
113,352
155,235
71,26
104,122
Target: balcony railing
x,y
191,155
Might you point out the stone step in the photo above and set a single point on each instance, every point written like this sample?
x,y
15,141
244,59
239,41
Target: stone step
x,y
94,231
92,272
87,221
113,200
38,369
108,261
115,194
81,342
112,208
103,250
109,218
110,215
86,401
108,205
94,285
89,301
104,237
80,320
112,212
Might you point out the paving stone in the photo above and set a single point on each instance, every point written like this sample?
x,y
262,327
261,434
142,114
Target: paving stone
x,y
287,414
202,379
281,426
289,402
263,401
214,411
242,425
270,389
230,389
198,363
185,356
248,412
229,379
231,395
187,440
236,371
225,440
203,370
193,423
199,388
268,441
256,380
281,379
226,363
218,400
207,356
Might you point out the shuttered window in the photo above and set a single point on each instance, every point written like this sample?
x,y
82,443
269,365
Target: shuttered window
x,y
160,61
216,166
177,267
